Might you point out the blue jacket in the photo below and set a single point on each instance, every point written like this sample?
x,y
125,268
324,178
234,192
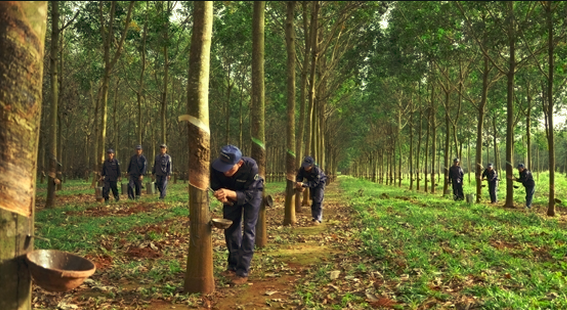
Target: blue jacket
x,y
111,170
245,182
456,174
162,165
526,178
316,177
491,176
137,166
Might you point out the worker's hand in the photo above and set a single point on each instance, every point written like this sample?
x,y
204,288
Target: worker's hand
x,y
120,179
225,195
141,178
299,185
168,177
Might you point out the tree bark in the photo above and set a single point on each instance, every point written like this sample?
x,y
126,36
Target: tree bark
x,y
289,218
139,93
22,34
163,112
54,66
258,110
510,106
549,114
433,139
300,152
199,274
447,152
479,128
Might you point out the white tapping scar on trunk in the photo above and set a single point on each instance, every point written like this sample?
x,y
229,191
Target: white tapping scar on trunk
x,y
195,122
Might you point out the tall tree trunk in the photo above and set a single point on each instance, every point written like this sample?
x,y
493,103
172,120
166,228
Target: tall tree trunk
x,y
240,118
53,58
22,36
300,151
199,274
289,218
510,107
433,139
258,110
528,125
411,150
494,137
549,114
163,112
227,107
417,155
139,93
479,128
108,38
425,163
447,152
311,145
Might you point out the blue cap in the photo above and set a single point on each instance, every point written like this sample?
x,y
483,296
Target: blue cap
x,y
490,165
138,147
163,146
520,165
110,151
307,162
456,160
230,155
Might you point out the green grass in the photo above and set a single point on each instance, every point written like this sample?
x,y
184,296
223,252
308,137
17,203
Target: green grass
x,y
432,247
541,194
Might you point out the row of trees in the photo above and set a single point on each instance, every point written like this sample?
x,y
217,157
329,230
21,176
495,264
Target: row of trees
x,y
446,73
118,78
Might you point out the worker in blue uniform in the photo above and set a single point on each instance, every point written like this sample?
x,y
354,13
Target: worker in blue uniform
x,y
455,176
527,179
110,174
236,183
316,180
162,170
136,170
490,175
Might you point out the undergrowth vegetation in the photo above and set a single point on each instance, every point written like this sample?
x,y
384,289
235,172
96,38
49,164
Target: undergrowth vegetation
x,y
432,250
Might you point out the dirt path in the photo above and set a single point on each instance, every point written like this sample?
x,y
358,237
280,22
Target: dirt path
x,y
288,258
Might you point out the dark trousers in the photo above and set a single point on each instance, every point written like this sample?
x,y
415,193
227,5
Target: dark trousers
x,y
530,191
161,184
317,195
492,189
241,245
458,191
110,185
134,184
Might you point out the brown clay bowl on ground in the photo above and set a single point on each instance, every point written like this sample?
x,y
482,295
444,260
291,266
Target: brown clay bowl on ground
x,y
58,271
221,223
269,201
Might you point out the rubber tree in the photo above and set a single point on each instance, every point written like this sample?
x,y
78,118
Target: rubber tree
x,y
22,34
108,39
289,218
507,63
53,63
300,151
199,274
257,110
140,91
